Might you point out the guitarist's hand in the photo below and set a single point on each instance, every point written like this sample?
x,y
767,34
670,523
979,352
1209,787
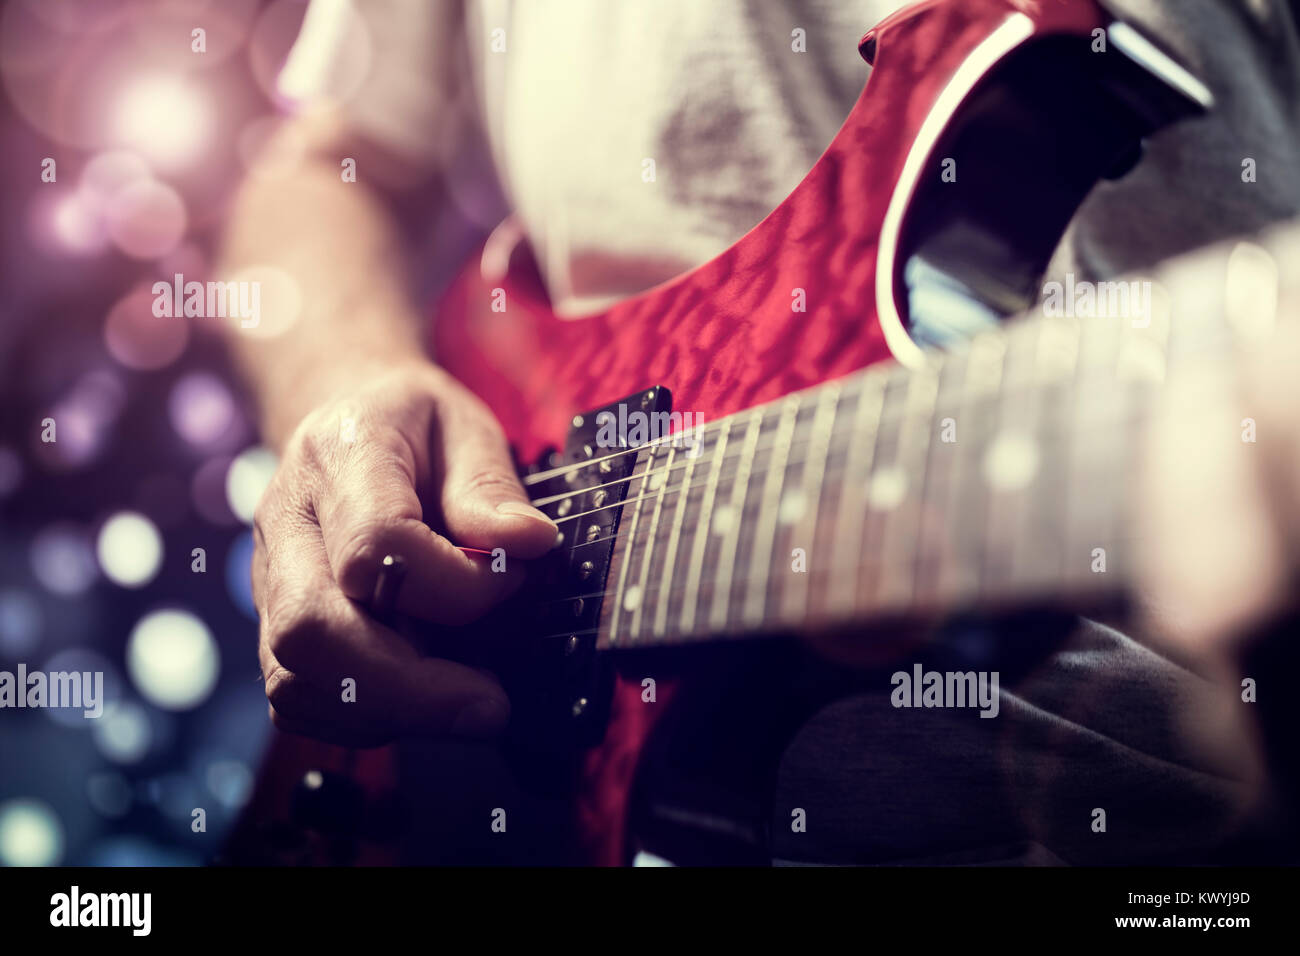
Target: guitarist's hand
x,y
1219,520
358,479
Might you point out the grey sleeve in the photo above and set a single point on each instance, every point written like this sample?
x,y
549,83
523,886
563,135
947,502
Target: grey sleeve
x,y
1230,173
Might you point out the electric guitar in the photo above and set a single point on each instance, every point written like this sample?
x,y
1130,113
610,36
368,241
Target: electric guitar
x,y
846,481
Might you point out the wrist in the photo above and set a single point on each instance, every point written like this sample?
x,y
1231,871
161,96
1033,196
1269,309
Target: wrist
x,y
291,395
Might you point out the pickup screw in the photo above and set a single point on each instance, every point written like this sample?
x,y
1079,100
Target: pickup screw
x,y
593,532
585,569
606,466
571,645
599,497
578,605
579,706
588,451
577,421
648,398
565,507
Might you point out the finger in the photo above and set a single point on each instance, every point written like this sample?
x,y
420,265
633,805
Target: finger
x,y
1271,401
327,661
1211,554
483,503
369,510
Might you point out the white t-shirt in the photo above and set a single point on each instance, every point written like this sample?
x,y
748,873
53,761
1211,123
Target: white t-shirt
x,y
575,96
634,139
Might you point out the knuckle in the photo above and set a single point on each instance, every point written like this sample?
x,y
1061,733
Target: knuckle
x,y
264,512
293,626
356,555
283,692
490,481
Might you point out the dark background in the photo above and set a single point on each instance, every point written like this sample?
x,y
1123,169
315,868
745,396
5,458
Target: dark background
x,y
149,139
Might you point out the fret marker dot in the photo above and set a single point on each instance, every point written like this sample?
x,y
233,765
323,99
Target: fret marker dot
x,y
1011,462
632,598
887,489
792,507
723,519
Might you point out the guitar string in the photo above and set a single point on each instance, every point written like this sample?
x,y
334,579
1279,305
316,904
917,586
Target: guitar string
x,y
896,416
701,432
709,586
981,590
893,416
880,376
834,447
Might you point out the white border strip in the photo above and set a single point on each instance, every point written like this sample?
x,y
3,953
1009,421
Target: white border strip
x,y
1014,31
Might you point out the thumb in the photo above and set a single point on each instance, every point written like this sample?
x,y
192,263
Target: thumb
x,y
483,503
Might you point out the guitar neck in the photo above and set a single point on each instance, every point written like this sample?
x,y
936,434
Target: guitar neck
x,y
998,474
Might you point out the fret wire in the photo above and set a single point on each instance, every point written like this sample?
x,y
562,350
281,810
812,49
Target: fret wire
x,y
1002,512
689,608
939,500
896,584
848,542
626,561
674,538
542,502
1039,552
765,536
635,631
701,432
1015,589
924,446
822,572
794,598
731,534
697,485
941,465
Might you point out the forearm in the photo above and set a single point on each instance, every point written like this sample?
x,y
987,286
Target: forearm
x,y
338,246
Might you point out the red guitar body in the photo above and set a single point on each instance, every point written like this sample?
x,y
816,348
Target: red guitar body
x,y
723,337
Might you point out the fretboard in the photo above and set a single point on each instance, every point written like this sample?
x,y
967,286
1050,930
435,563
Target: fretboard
x,y
998,474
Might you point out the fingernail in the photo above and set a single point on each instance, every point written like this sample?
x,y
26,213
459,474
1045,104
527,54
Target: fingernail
x,y
483,718
518,509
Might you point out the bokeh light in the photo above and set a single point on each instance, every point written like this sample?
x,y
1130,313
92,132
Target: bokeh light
x,y
130,549
108,173
165,118
249,474
74,224
123,734
172,659
146,219
239,582
208,492
230,781
84,660
83,420
126,146
62,559
30,834
201,408
21,620
141,340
